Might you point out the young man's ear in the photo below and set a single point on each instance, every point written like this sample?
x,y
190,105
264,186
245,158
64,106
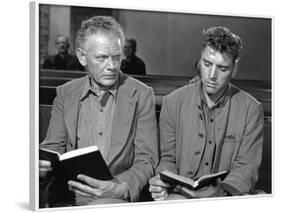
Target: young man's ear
x,y
235,68
81,57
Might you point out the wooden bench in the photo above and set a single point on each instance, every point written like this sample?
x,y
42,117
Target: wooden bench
x,y
162,85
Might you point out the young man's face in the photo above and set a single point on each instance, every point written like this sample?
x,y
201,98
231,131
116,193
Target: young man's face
x,y
103,53
216,70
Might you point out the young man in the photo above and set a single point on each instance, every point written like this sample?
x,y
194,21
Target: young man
x,y
107,109
211,126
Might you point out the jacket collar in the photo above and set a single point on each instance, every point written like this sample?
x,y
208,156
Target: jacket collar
x,y
220,102
89,88
123,117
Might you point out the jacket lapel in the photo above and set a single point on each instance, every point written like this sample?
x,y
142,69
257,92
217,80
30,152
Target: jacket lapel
x,y
71,106
122,120
199,132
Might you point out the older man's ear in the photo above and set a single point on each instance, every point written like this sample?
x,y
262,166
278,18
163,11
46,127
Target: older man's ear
x,y
81,57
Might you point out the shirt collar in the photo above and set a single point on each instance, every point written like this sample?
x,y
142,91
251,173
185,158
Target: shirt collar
x,y
220,102
89,88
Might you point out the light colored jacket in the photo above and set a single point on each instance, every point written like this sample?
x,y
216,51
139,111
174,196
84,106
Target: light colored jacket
x,y
133,152
238,136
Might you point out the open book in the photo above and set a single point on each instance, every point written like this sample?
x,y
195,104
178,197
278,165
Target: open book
x,y
87,161
174,179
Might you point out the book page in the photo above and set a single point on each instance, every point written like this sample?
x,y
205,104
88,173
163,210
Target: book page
x,y
210,176
78,152
49,150
179,178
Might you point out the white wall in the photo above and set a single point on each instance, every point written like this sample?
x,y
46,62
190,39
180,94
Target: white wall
x,y
59,24
170,43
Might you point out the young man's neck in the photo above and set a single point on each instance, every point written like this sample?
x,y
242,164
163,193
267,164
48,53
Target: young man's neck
x,y
212,100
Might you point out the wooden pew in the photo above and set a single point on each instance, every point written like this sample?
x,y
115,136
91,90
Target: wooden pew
x,y
162,85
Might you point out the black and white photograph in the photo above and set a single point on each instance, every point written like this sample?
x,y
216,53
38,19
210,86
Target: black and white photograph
x,y
147,106
134,106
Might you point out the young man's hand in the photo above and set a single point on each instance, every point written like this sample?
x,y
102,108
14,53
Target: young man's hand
x,y
157,188
209,191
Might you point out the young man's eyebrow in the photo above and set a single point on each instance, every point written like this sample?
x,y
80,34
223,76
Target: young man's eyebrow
x,y
205,60
223,66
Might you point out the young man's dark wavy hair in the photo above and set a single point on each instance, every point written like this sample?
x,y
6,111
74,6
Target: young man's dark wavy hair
x,y
223,41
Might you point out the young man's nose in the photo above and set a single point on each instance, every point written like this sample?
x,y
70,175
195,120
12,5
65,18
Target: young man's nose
x,y
213,72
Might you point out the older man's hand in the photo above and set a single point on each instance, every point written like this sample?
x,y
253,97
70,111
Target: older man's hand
x,y
96,189
44,168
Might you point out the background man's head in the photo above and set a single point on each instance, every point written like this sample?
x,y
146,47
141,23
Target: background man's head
x,y
62,44
99,43
219,59
130,48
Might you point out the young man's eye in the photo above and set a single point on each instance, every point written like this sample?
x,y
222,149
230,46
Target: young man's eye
x,y
223,69
207,64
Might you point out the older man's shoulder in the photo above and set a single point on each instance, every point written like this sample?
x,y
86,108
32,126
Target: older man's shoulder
x,y
73,85
130,81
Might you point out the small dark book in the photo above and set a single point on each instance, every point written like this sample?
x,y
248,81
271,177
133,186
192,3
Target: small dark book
x,y
87,161
205,180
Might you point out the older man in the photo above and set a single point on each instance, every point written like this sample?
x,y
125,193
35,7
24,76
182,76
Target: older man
x,y
109,109
62,60
211,126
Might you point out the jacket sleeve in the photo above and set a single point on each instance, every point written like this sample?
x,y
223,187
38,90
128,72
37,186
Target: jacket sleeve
x,y
244,172
167,139
56,134
145,147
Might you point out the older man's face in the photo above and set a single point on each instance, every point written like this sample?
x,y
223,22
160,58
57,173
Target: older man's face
x,y
103,53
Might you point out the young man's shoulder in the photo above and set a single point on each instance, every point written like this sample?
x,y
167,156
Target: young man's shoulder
x,y
243,97
184,92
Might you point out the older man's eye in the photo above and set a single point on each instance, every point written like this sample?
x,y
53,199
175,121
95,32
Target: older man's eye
x,y
116,57
101,58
